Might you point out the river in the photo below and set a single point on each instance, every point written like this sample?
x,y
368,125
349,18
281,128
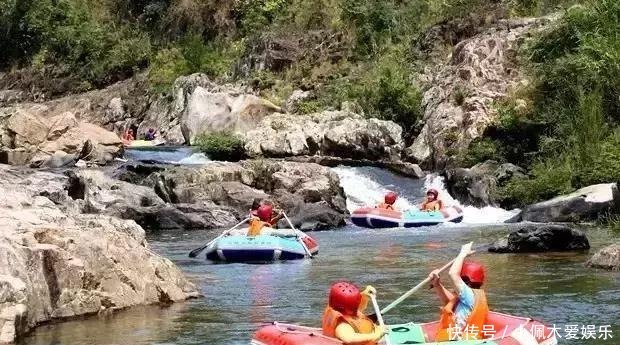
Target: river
x,y
239,298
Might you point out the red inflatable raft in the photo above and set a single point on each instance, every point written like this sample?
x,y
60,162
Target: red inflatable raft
x,y
500,329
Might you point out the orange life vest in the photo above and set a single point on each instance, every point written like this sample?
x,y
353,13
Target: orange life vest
x,y
385,206
256,225
360,324
434,205
477,319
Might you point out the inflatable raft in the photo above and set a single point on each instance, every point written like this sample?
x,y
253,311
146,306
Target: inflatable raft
x,y
372,217
270,245
502,329
143,143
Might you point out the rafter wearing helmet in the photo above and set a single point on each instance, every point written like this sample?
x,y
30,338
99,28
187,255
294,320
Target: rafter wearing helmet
x,y
344,318
431,202
468,308
388,201
260,220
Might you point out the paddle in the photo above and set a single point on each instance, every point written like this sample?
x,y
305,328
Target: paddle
x,y
414,289
375,306
194,253
298,237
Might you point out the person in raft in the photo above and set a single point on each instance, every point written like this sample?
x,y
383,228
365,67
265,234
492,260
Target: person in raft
x,y
127,136
464,314
344,318
150,134
275,216
259,220
388,201
431,202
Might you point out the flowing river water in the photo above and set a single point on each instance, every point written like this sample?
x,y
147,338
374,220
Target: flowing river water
x,y
239,298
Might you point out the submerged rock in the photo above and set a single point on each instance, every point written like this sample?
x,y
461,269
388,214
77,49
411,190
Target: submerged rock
x,y
58,263
542,238
607,258
588,203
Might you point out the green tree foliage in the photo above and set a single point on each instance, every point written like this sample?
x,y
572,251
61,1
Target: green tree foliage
x,y
221,146
577,68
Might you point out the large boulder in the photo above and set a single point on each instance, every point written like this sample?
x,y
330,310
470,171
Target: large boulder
x,y
296,187
330,133
588,203
459,93
532,239
607,258
204,107
57,263
41,131
477,185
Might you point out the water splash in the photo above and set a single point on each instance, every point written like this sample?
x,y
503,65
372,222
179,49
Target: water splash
x,y
472,215
195,159
366,186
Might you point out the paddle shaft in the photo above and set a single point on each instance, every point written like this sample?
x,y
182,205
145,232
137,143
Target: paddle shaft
x,y
300,239
197,251
414,289
375,306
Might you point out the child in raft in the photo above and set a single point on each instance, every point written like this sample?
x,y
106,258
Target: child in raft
x,y
344,318
388,201
275,215
466,310
431,202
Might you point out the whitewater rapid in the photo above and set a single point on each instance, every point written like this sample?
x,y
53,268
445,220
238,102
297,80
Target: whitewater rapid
x,y
365,186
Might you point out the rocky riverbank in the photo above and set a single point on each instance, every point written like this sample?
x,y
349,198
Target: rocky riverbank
x,y
60,262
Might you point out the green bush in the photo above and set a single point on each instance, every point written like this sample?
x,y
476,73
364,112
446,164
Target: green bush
x,y
191,55
77,35
481,150
548,179
387,92
225,146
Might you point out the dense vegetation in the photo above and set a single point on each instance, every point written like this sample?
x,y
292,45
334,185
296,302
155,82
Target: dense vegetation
x,y
341,49
563,126
569,135
223,146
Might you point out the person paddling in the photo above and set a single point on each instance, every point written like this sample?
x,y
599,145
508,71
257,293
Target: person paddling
x,y
432,202
276,215
260,220
388,201
464,314
344,318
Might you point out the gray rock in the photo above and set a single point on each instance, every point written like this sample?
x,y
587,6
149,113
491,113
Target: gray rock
x,y
60,264
541,238
459,95
607,258
474,186
331,133
588,203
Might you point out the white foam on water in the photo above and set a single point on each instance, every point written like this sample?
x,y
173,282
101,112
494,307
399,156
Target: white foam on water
x,y
364,190
471,214
195,159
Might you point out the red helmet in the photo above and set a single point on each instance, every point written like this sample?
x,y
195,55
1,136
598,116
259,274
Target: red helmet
x,y
390,198
345,298
264,212
473,271
433,191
